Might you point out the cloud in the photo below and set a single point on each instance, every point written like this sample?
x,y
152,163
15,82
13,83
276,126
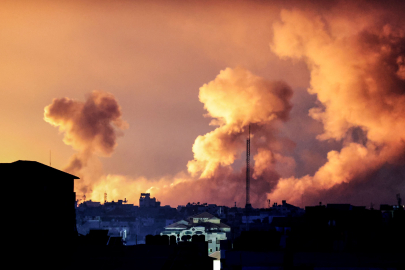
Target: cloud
x,y
357,75
90,127
235,99
355,55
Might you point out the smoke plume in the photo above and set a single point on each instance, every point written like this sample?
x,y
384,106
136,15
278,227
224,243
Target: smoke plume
x,y
90,127
355,53
235,99
357,73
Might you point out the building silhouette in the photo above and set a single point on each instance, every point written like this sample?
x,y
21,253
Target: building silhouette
x,y
40,222
146,201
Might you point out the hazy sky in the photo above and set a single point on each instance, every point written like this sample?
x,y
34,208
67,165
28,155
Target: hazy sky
x,y
171,67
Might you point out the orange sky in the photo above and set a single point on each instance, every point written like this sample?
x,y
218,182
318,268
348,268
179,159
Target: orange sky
x,y
155,58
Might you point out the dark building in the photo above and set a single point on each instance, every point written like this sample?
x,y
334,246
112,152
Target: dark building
x,y
40,216
146,201
333,236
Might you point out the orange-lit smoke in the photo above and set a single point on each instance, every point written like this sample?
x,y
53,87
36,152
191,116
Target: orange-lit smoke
x,y
172,190
357,72
356,56
90,127
235,99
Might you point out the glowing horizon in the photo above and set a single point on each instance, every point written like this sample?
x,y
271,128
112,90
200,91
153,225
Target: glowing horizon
x,y
158,97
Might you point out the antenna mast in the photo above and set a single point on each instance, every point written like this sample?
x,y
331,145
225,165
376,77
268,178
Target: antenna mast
x,y
248,205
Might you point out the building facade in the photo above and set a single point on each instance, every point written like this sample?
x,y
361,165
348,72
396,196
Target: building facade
x,y
202,224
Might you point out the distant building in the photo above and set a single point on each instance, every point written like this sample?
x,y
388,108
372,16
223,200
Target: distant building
x,y
116,228
201,224
146,201
286,208
88,224
90,203
278,210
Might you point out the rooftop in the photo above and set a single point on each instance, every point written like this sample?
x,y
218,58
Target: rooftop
x,y
204,215
28,167
184,225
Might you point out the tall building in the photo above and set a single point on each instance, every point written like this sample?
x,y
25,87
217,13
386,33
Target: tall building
x,y
41,208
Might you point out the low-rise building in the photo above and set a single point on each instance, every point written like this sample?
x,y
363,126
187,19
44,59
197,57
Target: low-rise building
x,y
90,203
202,224
146,201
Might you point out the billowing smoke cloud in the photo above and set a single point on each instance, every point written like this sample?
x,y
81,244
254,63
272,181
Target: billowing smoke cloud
x,y
90,127
356,56
357,73
235,99
175,190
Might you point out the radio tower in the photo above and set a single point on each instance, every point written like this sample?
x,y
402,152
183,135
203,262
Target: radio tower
x,y
248,205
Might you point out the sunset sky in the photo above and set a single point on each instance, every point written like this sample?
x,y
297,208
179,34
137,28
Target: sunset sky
x,y
156,96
